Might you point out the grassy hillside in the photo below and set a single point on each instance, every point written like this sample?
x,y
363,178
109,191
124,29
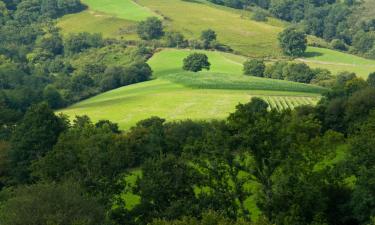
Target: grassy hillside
x,y
177,95
123,9
338,61
234,27
96,22
128,105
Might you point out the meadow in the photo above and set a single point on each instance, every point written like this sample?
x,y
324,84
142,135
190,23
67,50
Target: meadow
x,y
178,95
336,61
234,27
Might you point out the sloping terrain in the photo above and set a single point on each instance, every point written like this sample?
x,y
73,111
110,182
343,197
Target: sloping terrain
x,y
177,95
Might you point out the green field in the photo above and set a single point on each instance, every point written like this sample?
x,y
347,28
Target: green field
x,y
336,61
96,22
178,95
234,27
123,9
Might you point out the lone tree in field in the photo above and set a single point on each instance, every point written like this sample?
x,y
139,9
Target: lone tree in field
x,y
254,67
293,42
196,62
151,28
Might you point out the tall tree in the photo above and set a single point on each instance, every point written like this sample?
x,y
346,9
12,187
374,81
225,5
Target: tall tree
x,y
33,137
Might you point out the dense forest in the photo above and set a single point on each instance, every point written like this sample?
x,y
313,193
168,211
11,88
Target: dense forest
x,y
313,165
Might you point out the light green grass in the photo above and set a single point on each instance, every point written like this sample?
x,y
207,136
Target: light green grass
x,y
232,26
123,9
169,61
96,22
165,99
336,61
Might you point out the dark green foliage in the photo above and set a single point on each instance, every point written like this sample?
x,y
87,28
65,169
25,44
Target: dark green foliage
x,y
208,36
371,80
76,43
152,28
91,154
338,44
208,218
259,15
50,203
166,189
176,39
362,155
275,71
293,42
33,138
298,72
196,62
254,67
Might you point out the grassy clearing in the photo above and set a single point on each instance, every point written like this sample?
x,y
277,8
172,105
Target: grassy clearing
x,y
96,22
162,98
336,61
169,61
123,9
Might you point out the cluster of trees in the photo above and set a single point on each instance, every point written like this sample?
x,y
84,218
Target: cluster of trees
x,y
313,165
297,72
38,65
152,30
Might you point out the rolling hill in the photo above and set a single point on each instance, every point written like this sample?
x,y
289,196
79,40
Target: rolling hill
x,y
178,95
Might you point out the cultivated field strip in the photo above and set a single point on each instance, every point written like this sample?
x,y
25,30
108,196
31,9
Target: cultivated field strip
x,y
281,103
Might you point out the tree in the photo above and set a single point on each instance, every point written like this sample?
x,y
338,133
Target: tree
x,y
371,80
53,97
166,189
33,138
196,62
254,67
151,28
298,72
51,203
360,161
208,36
176,39
76,43
293,42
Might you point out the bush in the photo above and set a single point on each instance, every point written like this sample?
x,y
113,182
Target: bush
x,y
152,28
339,45
254,67
298,72
259,15
176,39
196,62
275,71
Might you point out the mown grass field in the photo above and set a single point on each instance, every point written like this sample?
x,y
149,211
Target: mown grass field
x,y
336,61
123,9
177,95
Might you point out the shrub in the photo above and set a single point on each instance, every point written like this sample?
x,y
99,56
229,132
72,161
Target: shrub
x,y
152,28
254,67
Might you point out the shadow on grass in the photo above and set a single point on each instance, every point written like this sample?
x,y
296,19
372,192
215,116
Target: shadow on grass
x,y
312,54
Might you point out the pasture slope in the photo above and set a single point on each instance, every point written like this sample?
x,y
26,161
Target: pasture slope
x,y
336,61
234,27
178,95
